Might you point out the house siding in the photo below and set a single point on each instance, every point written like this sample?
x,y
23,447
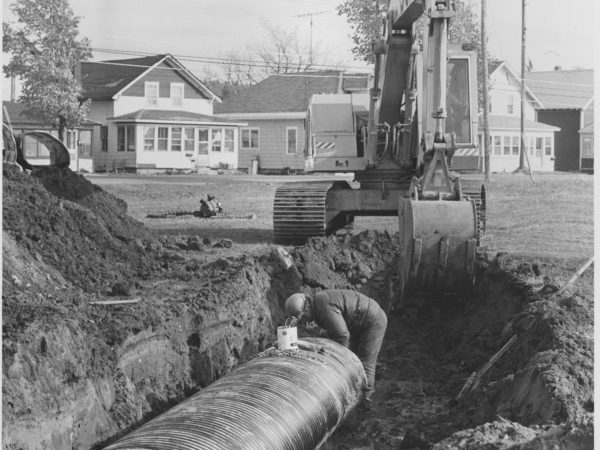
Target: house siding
x,y
127,104
164,77
502,86
566,144
537,159
272,141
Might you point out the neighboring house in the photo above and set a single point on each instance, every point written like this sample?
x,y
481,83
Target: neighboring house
x,y
275,110
566,98
505,125
586,136
155,116
78,141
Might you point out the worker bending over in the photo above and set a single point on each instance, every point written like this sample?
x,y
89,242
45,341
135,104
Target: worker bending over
x,y
350,318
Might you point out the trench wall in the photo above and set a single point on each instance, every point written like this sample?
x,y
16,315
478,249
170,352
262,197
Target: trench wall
x,y
83,382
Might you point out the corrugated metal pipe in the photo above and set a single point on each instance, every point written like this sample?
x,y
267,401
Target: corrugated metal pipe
x,y
281,399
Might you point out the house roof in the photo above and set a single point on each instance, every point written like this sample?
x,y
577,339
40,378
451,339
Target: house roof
x,y
290,92
17,116
103,80
168,116
562,89
497,122
504,65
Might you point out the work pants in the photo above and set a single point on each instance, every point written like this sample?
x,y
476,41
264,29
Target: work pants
x,y
366,344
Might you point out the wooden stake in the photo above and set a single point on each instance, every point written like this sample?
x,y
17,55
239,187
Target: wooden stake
x,y
491,362
116,302
582,269
475,377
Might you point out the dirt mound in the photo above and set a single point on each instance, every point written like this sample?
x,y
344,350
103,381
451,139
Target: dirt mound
x,y
64,221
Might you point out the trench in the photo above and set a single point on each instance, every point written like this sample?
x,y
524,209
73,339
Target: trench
x,y
86,383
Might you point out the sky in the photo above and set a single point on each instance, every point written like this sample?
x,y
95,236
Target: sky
x,y
194,30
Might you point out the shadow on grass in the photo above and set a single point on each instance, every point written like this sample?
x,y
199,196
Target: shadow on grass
x,y
239,235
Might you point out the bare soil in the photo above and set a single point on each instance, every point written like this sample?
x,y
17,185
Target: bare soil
x,y
81,369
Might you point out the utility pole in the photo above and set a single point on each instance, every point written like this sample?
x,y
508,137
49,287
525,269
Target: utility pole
x,y
486,100
523,149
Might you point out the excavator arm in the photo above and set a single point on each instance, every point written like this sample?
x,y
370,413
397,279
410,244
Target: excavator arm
x,y
421,109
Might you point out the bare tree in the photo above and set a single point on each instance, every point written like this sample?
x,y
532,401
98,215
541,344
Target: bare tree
x,y
281,51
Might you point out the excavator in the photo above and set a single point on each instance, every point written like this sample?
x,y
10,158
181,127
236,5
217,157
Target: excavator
x,y
402,144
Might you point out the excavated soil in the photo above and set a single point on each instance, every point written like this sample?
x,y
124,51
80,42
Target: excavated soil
x,y
107,324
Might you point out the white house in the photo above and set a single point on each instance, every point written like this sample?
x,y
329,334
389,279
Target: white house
x,y
155,115
505,125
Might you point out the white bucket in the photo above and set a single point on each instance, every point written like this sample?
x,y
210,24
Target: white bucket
x,y
287,338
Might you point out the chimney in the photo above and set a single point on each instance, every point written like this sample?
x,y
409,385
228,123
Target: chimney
x,y
13,89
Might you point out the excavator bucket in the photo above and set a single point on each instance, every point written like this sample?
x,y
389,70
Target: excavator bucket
x,y
13,148
59,155
438,241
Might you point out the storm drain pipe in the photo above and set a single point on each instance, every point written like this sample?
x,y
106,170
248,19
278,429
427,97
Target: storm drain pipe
x,y
292,399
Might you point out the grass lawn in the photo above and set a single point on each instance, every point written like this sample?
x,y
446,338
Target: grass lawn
x,y
549,217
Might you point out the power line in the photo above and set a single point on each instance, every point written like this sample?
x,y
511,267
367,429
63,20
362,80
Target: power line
x,y
219,60
289,74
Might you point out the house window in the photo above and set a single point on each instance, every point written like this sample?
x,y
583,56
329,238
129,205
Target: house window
x,y
587,147
229,140
188,140
162,139
510,104
71,139
131,138
506,147
85,143
539,142
530,146
215,137
120,139
176,94
292,134
126,138
203,141
149,137
548,146
515,145
151,93
250,138
104,138
176,139
33,148
497,145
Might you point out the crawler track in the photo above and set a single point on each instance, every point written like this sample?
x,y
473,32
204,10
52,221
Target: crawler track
x,y
299,212
475,190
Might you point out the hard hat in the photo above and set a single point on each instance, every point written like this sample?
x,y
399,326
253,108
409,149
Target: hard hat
x,y
294,305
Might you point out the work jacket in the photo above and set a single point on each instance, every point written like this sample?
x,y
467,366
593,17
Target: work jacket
x,y
343,312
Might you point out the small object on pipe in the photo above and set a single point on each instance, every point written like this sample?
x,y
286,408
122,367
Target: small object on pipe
x,y
281,399
287,336
582,269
